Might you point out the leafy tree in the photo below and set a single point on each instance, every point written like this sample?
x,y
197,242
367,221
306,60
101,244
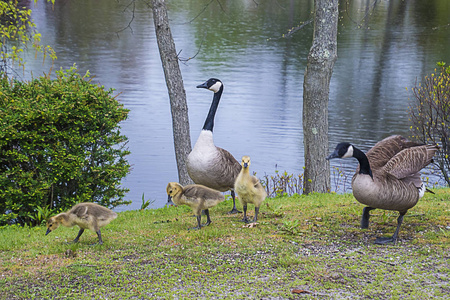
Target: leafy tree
x,y
430,114
59,144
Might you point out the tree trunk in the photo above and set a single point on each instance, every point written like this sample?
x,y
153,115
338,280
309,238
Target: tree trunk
x,y
174,82
316,87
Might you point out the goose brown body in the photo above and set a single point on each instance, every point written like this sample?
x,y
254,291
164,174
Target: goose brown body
x,y
85,215
388,176
212,166
197,197
396,184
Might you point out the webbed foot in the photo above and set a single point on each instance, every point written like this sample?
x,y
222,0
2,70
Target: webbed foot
x,y
195,228
234,211
245,220
385,240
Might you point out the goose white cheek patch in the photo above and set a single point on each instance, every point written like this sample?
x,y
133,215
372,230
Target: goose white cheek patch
x,y
349,152
215,87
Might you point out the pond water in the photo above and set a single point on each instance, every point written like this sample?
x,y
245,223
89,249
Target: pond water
x,y
384,47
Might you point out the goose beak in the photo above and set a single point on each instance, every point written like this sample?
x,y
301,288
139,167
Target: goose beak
x,y
245,165
48,231
169,201
203,85
333,155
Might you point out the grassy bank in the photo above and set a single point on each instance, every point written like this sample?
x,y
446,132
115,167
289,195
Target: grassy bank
x,y
303,247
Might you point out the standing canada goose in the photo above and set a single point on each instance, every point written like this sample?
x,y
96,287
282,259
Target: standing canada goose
x,y
197,197
207,164
86,215
249,189
388,176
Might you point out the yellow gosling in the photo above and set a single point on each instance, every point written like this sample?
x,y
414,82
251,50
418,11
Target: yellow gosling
x,y
86,215
249,189
197,197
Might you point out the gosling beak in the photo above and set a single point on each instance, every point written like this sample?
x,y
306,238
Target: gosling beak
x,y
245,165
48,231
169,201
203,85
333,155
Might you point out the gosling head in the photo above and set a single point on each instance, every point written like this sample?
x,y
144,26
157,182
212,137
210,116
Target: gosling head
x,y
342,150
245,163
52,224
212,84
173,189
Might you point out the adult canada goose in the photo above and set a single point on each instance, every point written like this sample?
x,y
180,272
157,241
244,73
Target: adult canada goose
x,y
86,215
207,164
388,176
249,189
197,197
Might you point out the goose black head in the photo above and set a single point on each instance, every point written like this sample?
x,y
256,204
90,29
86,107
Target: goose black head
x,y
212,84
342,150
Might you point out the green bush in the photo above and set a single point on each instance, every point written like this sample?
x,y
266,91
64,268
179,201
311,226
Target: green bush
x,y
60,144
430,115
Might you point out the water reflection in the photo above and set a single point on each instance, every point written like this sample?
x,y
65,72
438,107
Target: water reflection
x,y
382,50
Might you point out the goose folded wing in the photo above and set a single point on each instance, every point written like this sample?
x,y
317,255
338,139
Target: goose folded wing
x,y
81,212
256,183
227,164
198,192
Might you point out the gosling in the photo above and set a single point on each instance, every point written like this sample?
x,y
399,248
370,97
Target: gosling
x,y
197,197
249,189
86,215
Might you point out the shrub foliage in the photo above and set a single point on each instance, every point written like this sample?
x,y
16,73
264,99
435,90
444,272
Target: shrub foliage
x,y
18,32
430,115
60,144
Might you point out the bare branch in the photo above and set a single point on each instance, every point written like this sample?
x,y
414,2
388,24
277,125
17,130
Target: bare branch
x,y
220,4
133,10
185,60
368,11
295,29
201,12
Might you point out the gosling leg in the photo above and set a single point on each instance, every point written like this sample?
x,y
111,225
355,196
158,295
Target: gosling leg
x,y
365,217
245,219
393,239
234,210
78,236
208,219
256,214
100,241
199,224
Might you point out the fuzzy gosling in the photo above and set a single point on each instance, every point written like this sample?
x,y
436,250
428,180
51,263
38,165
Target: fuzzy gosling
x,y
197,197
249,189
86,215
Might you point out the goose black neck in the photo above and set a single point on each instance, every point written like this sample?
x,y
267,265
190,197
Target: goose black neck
x,y
364,166
209,122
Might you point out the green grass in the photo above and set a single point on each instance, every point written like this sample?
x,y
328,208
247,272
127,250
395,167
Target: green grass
x,y
310,243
